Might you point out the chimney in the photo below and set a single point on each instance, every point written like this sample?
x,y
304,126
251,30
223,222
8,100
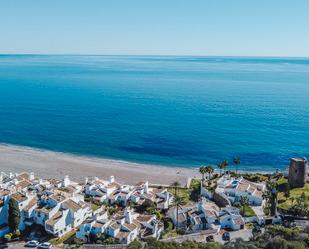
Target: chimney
x,y
168,196
200,204
146,188
86,180
31,176
66,181
128,215
112,179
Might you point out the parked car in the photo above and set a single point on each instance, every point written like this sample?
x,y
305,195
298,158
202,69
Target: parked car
x,y
45,245
32,243
226,236
210,238
34,235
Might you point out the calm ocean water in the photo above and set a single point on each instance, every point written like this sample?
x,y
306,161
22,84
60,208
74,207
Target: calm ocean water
x,y
182,111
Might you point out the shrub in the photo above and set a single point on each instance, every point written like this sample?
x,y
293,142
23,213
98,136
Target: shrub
x,y
180,231
111,210
17,233
156,213
135,245
195,192
286,233
296,245
105,203
277,243
8,236
168,224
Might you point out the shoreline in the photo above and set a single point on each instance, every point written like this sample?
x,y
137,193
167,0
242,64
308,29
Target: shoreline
x,y
15,159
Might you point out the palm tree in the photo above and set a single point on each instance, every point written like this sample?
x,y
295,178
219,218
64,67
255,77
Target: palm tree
x,y
223,165
202,170
236,161
271,195
175,185
209,170
220,166
244,202
178,201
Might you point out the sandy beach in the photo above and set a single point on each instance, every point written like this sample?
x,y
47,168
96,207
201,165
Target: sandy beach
x,y
48,164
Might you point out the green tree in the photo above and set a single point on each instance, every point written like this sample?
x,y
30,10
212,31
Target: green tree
x,y
277,243
209,170
202,170
175,185
236,161
296,245
271,196
148,205
287,191
178,201
244,202
256,231
223,165
14,215
135,245
220,166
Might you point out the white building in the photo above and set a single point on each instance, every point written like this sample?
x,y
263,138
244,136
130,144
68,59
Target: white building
x,y
100,189
55,205
124,227
115,193
206,215
66,215
159,196
234,188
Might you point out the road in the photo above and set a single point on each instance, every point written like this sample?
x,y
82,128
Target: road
x,y
244,234
18,245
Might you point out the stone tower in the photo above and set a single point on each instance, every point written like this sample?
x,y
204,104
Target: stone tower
x,y
297,172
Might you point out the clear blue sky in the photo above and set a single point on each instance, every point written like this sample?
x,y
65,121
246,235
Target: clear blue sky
x,y
191,27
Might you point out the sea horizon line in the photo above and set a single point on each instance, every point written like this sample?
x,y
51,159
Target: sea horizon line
x,y
158,55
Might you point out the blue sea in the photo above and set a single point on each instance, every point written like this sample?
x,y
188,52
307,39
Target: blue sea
x,y
174,111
